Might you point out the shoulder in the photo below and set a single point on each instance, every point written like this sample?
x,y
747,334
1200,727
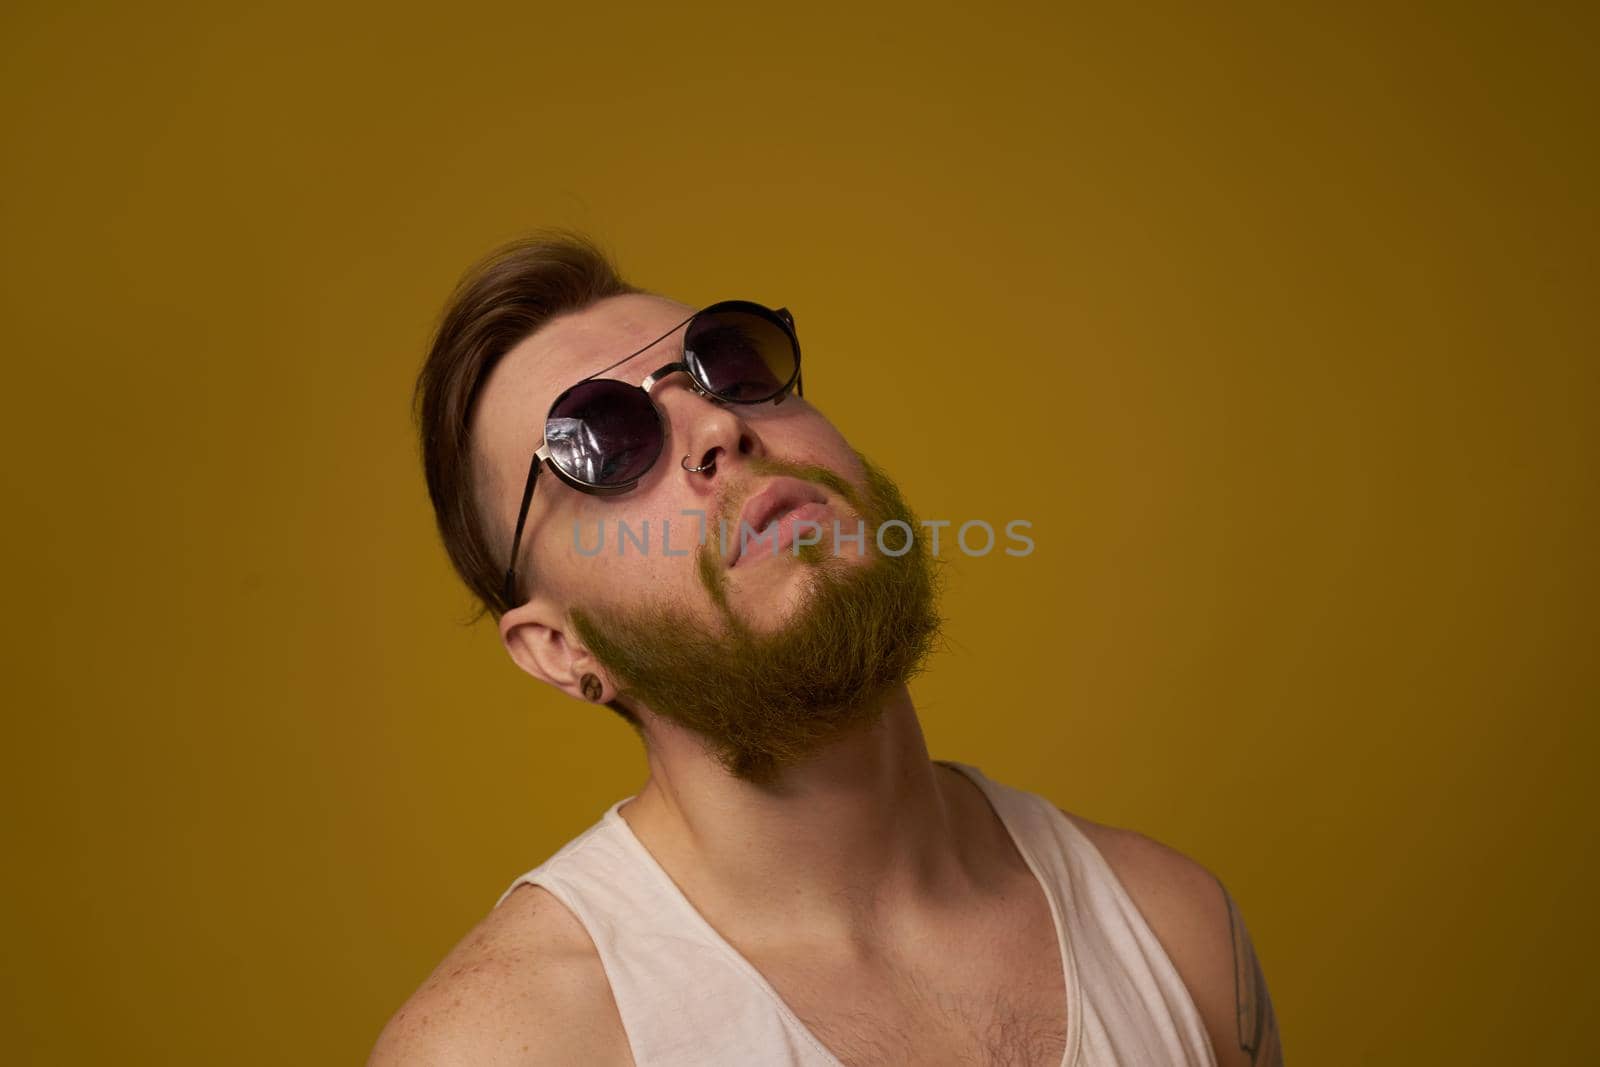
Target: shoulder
x,y
524,987
1198,925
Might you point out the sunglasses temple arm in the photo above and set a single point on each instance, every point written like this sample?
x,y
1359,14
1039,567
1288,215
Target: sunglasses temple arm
x,y
510,590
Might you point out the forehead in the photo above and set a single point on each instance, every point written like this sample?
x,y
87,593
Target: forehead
x,y
508,419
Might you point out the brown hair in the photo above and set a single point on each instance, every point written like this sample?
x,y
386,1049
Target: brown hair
x,y
499,302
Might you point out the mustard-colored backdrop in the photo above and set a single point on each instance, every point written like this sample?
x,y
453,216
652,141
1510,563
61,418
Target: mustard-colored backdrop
x,y
1278,325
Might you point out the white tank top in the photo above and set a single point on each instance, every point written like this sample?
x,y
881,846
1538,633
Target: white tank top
x,y
687,998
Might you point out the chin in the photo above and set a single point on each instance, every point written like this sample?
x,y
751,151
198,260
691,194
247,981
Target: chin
x,y
779,598
774,605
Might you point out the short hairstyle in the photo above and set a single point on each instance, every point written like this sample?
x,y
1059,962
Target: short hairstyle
x,y
499,302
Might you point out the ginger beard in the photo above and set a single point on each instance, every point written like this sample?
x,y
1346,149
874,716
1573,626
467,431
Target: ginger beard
x,y
762,702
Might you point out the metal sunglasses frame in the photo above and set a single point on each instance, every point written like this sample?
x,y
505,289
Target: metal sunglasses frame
x,y
780,317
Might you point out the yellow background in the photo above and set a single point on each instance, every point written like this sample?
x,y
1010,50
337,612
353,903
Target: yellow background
x,y
1278,325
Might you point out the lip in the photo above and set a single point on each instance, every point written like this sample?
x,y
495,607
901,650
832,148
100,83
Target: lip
x,y
780,497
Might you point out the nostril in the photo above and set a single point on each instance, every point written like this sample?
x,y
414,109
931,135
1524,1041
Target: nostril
x,y
707,464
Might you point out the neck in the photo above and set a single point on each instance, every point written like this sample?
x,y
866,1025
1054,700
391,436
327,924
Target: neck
x,y
859,833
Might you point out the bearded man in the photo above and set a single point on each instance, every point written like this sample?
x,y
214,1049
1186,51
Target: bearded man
x,y
796,882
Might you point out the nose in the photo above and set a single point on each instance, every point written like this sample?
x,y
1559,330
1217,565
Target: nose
x,y
709,433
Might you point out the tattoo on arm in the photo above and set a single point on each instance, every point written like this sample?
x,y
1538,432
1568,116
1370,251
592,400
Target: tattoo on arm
x,y
1258,1026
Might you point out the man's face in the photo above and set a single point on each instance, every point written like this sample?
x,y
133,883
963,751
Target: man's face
x,y
763,651
762,588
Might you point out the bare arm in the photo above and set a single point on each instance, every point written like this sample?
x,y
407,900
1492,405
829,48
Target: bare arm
x,y
524,989
1256,1025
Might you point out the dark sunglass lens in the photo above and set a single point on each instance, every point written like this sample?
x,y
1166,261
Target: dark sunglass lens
x,y
603,433
742,356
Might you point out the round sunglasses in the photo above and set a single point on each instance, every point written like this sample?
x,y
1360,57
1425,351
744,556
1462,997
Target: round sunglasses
x,y
603,435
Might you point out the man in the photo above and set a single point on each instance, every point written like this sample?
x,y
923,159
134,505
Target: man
x,y
662,523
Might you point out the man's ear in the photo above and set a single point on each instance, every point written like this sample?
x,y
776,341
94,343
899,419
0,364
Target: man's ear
x,y
535,635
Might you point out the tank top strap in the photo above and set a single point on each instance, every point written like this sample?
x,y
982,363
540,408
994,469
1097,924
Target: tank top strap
x,y
686,997
1129,1005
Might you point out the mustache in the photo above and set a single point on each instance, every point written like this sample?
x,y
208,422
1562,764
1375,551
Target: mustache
x,y
731,501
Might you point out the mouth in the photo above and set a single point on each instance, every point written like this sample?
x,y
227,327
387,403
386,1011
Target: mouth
x,y
768,519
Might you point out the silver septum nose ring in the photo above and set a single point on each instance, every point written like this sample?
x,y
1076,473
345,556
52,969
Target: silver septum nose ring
x,y
684,463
